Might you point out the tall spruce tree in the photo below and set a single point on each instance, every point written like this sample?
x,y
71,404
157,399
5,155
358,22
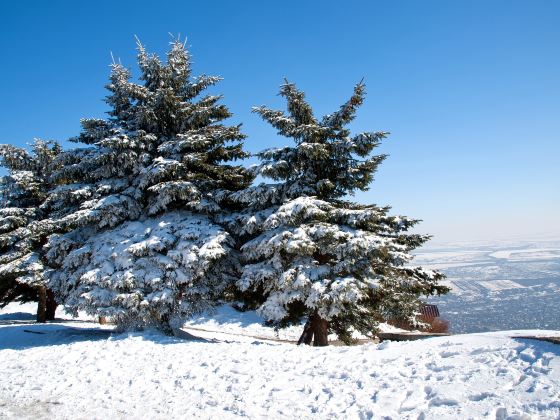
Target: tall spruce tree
x,y
139,202
309,252
22,233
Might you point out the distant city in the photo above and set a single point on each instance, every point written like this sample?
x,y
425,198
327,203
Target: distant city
x,y
500,286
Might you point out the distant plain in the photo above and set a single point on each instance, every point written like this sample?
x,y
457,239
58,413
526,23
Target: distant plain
x,y
498,286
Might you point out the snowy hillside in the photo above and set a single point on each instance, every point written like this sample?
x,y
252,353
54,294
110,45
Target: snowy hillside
x,y
77,369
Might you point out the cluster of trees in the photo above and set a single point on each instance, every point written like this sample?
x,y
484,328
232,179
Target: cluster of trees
x,y
150,220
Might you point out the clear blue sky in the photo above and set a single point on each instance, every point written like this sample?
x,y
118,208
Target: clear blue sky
x,y
470,90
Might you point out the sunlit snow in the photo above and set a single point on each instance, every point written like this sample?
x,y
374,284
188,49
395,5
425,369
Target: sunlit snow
x,y
73,370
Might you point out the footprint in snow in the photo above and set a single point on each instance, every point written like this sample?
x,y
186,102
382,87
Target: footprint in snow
x,y
546,358
528,355
435,368
480,350
412,401
449,344
441,401
446,354
537,369
520,379
481,396
429,391
501,413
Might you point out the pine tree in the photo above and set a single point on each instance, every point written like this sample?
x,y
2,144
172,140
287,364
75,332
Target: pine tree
x,y
309,252
139,202
22,233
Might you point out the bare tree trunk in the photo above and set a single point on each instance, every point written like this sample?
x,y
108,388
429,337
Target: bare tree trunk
x,y
50,305
42,305
307,334
320,331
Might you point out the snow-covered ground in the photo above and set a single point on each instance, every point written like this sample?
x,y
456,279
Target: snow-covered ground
x,y
226,321
79,370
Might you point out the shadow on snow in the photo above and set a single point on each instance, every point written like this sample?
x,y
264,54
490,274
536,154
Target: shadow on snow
x,y
19,331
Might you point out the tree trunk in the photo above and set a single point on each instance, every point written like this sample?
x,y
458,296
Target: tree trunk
x,y
42,305
50,305
320,331
307,334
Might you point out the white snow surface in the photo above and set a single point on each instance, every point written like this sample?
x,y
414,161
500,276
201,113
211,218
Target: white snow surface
x,y
226,321
80,370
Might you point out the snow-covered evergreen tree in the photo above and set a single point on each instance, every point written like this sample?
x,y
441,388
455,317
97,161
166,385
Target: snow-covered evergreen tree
x,y
22,232
139,202
309,252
